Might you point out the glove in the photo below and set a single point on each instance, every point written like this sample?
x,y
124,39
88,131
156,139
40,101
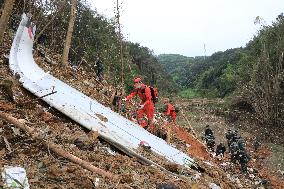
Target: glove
x,y
141,106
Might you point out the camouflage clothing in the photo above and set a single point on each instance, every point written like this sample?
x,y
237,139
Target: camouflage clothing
x,y
210,142
220,149
209,138
244,158
241,144
256,145
234,149
229,136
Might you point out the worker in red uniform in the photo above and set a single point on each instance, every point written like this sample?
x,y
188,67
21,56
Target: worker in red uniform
x,y
146,104
170,113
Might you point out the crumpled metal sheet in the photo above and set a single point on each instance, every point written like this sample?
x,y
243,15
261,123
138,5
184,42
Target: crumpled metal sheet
x,y
79,107
15,177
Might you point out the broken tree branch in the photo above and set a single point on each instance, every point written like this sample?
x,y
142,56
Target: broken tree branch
x,y
194,135
7,144
56,148
188,124
33,100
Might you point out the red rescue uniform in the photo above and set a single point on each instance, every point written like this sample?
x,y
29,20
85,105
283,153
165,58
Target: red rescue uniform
x,y
171,111
147,105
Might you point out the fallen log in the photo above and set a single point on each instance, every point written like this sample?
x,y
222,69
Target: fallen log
x,y
56,148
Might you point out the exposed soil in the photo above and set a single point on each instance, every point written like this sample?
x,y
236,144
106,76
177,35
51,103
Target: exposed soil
x,y
196,148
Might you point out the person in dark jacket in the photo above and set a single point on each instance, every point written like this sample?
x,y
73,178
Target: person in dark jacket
x,y
209,138
256,144
208,131
99,67
220,150
229,136
234,150
244,158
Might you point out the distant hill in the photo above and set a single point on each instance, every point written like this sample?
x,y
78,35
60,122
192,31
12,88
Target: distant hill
x,y
173,62
179,66
212,74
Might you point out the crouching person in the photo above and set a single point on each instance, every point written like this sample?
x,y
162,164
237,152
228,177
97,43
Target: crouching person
x,y
220,150
170,113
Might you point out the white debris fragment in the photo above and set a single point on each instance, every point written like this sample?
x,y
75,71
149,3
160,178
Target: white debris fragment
x,y
224,165
214,186
240,186
229,177
96,183
281,172
238,182
251,176
15,177
250,170
208,163
196,176
111,152
16,131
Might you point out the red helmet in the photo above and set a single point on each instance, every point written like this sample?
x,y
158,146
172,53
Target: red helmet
x,y
137,80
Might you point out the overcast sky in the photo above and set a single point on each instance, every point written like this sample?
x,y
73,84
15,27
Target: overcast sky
x,y
184,26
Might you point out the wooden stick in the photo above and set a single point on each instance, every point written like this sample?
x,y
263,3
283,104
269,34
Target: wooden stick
x,y
191,129
7,144
33,100
193,132
56,148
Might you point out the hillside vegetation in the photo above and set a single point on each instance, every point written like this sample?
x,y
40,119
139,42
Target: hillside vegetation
x,y
251,76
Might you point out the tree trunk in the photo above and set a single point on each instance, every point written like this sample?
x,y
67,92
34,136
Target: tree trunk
x,y
120,40
8,7
69,33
